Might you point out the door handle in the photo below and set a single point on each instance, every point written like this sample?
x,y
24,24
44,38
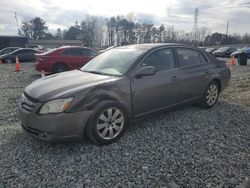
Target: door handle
x,y
208,72
174,78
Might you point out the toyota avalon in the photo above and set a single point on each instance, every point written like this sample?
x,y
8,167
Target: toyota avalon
x,y
123,83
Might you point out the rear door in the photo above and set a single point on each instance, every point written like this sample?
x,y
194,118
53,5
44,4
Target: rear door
x,y
194,72
73,57
150,93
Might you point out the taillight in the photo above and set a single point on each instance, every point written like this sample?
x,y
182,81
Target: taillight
x,y
40,59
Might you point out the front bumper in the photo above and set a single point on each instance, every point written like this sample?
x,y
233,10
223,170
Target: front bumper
x,y
53,127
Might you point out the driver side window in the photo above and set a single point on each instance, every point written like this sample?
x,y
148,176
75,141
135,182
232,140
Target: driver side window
x,y
162,59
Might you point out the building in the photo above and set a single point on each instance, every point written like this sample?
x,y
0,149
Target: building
x,y
47,44
13,41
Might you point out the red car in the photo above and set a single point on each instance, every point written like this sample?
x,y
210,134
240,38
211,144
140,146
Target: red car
x,y
64,58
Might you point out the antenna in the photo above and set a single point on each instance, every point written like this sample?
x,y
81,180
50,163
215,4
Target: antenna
x,y
196,16
18,30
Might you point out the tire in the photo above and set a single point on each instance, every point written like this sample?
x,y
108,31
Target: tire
x,y
210,96
101,127
9,60
60,67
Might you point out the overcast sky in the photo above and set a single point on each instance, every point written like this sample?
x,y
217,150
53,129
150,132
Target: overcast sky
x,y
63,13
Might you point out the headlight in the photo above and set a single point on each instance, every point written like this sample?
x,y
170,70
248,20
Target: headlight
x,y
55,106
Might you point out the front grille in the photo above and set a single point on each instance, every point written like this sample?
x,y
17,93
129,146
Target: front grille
x,y
27,103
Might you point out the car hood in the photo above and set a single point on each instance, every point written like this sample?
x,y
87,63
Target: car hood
x,y
62,84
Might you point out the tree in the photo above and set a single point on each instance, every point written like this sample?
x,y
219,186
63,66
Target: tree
x,y
39,28
59,34
34,28
72,33
49,36
26,29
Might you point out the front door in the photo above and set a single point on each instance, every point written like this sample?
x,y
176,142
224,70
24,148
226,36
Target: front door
x,y
150,93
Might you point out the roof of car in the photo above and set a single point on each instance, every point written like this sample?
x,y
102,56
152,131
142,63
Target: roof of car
x,y
148,46
64,47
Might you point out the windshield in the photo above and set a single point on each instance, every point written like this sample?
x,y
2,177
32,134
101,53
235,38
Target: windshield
x,y
114,62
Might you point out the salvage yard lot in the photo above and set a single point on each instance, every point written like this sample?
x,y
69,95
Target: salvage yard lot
x,y
186,147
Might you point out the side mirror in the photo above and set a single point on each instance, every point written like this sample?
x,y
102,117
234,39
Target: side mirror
x,y
145,71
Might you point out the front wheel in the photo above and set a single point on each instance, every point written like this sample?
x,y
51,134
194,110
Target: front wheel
x,y
108,123
210,96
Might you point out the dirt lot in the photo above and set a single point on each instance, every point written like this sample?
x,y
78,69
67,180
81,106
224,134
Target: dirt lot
x,y
186,147
239,90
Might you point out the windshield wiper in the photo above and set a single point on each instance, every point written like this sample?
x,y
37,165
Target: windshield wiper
x,y
94,72
100,73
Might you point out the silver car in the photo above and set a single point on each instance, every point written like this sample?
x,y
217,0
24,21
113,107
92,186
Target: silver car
x,y
123,83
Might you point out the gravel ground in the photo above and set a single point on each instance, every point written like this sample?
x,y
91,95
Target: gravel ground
x,y
186,147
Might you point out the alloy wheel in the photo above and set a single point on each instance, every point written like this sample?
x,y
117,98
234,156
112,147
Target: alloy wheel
x,y
212,94
110,123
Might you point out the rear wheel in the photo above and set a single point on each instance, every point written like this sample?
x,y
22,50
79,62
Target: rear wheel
x,y
108,123
210,96
60,67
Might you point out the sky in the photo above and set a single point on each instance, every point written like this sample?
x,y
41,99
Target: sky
x,y
213,14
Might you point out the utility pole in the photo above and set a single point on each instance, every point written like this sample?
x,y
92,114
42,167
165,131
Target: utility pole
x,y
227,28
18,30
196,16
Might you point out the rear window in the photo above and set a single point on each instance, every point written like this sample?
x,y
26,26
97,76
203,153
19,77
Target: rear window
x,y
89,53
188,57
73,52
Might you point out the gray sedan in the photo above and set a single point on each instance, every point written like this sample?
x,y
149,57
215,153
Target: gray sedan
x,y
123,83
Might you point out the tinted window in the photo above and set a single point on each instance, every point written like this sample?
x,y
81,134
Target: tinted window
x,y
89,53
25,51
187,57
161,59
73,52
7,51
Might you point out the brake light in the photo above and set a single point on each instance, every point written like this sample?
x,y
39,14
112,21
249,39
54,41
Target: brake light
x,y
39,59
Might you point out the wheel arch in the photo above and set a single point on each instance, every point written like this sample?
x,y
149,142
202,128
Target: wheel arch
x,y
58,63
218,82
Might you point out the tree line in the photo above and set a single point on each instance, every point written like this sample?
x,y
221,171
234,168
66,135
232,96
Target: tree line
x,y
99,32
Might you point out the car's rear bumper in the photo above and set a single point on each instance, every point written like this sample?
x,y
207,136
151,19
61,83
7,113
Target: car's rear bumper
x,y
41,66
54,127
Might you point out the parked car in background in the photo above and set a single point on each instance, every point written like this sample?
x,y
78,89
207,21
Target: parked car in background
x,y
224,52
64,58
23,54
210,50
123,83
38,47
203,48
8,50
245,50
